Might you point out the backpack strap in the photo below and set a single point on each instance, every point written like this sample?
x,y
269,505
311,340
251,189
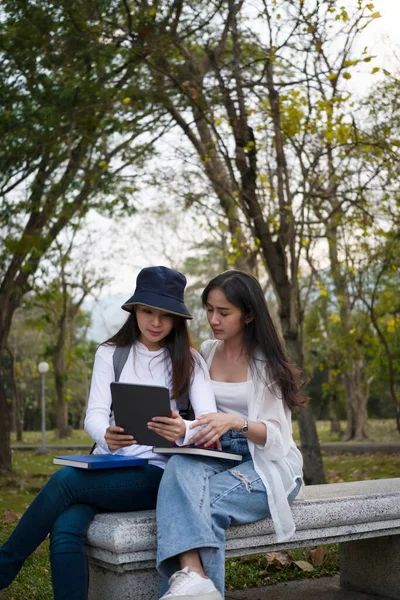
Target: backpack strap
x,y
120,357
184,406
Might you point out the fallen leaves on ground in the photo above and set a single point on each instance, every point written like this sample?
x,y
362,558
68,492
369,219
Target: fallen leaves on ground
x,y
304,565
279,559
317,556
9,516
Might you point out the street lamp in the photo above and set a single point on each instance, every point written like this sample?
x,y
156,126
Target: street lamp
x,y
43,367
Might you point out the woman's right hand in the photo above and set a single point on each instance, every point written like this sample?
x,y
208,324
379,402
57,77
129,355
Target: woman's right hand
x,y
115,439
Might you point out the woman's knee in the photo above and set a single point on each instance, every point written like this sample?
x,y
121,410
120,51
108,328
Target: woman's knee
x,y
64,477
237,496
69,530
63,540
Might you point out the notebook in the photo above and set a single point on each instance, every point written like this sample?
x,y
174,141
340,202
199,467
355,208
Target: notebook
x,y
134,405
197,451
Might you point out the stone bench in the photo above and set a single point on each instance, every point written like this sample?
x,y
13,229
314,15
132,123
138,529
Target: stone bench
x,y
363,517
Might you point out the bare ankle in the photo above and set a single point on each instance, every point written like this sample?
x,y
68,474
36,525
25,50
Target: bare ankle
x,y
195,569
191,560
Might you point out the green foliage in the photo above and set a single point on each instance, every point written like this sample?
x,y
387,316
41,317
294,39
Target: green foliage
x,y
333,345
67,133
32,339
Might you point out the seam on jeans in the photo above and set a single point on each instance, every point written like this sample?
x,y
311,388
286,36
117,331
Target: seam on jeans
x,y
203,493
232,489
204,487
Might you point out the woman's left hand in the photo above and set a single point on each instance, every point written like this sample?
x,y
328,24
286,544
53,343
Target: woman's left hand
x,y
215,425
171,428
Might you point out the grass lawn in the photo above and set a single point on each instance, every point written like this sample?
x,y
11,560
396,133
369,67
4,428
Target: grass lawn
x,y
379,430
33,582
31,471
32,438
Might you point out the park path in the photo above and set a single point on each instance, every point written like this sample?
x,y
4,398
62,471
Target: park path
x,y
324,588
327,447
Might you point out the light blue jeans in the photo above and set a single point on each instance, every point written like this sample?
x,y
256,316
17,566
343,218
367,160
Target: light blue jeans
x,y
199,498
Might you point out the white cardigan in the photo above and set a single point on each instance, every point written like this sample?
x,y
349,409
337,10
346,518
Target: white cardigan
x,y
279,462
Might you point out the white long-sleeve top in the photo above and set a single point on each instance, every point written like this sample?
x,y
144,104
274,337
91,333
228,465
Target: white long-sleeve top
x,y
143,366
278,462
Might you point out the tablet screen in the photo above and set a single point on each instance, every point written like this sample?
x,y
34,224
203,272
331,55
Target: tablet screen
x,y
134,405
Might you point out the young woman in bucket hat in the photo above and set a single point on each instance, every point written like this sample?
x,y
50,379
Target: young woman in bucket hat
x,y
255,389
160,354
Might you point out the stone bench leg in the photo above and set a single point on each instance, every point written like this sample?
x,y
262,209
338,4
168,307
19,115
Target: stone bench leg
x,y
372,566
127,582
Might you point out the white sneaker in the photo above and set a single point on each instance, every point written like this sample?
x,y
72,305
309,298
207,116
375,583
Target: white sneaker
x,y
187,585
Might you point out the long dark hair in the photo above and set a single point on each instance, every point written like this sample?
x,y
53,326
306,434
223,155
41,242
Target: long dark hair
x,y
244,291
177,343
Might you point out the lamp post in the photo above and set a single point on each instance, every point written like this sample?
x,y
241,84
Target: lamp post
x,y
43,367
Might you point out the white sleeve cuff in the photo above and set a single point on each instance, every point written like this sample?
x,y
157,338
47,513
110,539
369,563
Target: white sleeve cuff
x,y
273,446
185,441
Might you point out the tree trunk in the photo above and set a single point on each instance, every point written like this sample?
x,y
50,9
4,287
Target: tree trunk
x,y
357,398
59,379
336,427
17,415
61,408
313,464
5,421
9,300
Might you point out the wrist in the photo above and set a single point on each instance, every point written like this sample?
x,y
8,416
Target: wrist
x,y
238,423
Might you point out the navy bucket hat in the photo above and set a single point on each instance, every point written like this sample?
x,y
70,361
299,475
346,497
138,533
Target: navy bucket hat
x,y
160,288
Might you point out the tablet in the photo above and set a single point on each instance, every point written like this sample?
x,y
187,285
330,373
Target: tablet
x,y
135,405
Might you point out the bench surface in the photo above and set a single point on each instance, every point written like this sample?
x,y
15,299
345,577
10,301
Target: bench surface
x,y
328,513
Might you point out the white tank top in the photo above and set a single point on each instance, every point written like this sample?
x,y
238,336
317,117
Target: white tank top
x,y
231,397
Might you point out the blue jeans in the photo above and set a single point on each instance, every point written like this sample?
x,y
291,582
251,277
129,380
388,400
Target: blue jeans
x,y
197,501
65,507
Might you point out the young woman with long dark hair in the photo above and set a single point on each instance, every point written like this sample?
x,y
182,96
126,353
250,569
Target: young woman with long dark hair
x,y
160,354
255,390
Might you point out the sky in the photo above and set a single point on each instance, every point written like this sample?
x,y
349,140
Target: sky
x,y
131,253
386,29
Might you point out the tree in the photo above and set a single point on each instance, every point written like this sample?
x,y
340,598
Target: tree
x,y
75,108
31,339
271,121
211,85
378,292
60,296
